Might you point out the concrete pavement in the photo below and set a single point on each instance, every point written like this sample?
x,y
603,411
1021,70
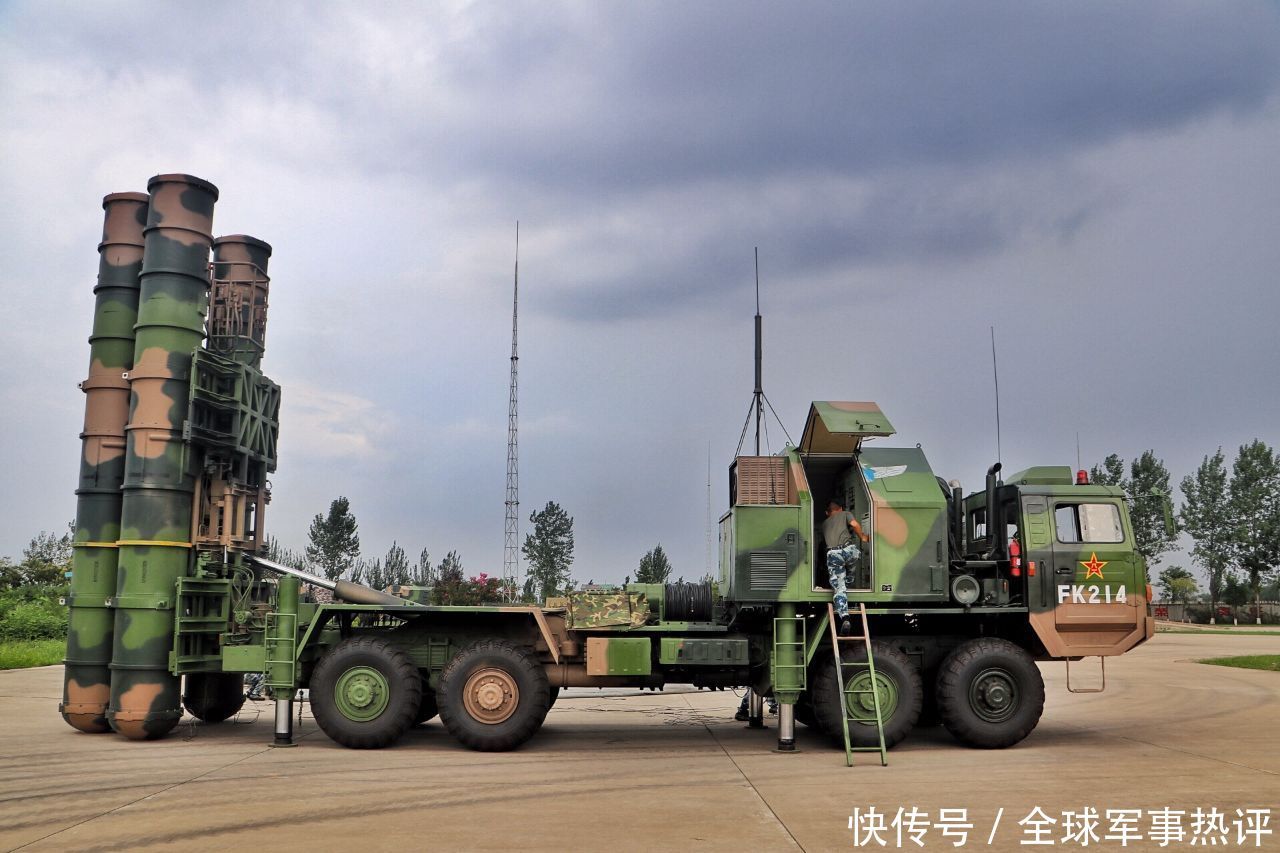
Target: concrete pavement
x,y
644,772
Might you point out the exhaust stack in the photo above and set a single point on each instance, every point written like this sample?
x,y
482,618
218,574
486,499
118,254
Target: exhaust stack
x,y
87,681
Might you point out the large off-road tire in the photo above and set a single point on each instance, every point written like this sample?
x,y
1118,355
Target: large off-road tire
x,y
899,686
213,696
494,695
552,694
804,711
990,693
428,709
929,716
365,693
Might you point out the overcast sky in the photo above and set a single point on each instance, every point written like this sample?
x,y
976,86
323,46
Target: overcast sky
x,y
1099,181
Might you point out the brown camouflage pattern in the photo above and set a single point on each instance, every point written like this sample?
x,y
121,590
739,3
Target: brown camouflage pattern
x,y
87,679
159,478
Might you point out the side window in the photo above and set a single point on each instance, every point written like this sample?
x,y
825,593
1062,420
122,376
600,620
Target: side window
x,y
1010,512
1088,523
978,524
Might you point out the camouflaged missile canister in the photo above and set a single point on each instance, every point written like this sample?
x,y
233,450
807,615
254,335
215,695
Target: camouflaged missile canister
x,y
607,609
155,534
238,298
87,684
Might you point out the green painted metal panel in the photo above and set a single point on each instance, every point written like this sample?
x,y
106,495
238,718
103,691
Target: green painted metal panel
x,y
1042,475
690,651
839,427
244,658
619,656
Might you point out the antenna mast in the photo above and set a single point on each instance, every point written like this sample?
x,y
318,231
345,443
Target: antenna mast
x,y
995,372
759,392
708,563
510,552
758,399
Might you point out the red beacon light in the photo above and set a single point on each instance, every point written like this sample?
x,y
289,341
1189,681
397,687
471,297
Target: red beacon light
x,y
1082,477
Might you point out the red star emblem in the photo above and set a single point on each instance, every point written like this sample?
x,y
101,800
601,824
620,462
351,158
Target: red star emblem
x,y
1093,566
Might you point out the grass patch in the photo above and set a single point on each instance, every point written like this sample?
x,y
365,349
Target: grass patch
x,y
20,654
1269,663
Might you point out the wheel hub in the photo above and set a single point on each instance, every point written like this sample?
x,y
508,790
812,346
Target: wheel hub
x,y
993,695
362,693
862,705
490,696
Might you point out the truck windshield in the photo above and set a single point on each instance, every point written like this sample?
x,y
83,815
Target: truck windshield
x,y
1088,523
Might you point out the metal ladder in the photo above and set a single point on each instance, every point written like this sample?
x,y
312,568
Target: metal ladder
x,y
845,693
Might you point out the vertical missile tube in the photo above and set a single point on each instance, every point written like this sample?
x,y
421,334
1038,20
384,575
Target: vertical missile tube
x,y
87,682
238,303
159,475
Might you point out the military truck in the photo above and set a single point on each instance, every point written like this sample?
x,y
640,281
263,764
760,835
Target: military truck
x,y
964,593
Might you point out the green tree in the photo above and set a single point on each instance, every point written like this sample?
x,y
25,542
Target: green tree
x,y
334,540
1254,505
654,566
1235,592
450,571
1109,473
1206,517
273,550
1147,489
47,558
10,574
396,565
549,552
424,573
1179,585
375,574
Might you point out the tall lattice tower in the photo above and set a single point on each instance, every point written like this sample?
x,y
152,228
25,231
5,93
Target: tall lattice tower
x,y
511,538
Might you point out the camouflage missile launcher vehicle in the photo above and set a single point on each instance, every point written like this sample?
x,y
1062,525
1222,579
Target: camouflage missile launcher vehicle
x,y
962,594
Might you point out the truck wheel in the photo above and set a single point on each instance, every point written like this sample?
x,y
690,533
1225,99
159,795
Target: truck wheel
x,y
897,682
365,693
552,693
213,696
428,709
990,693
494,695
929,708
804,713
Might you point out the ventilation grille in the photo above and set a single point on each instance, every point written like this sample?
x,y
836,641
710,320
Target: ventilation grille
x,y
762,480
768,569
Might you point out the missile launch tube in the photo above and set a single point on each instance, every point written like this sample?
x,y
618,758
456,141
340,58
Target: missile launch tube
x,y
238,301
352,593
87,681
159,477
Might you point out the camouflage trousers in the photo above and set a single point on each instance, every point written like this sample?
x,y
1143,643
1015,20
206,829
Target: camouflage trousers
x,y
842,562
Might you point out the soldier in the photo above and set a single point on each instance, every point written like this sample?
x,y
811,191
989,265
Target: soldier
x,y
843,555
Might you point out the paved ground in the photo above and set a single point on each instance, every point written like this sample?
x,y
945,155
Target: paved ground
x,y
644,772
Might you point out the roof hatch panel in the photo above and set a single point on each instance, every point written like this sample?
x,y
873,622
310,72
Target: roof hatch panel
x,y
835,426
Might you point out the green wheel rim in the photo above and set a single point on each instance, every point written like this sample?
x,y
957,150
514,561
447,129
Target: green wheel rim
x,y
993,695
362,693
861,703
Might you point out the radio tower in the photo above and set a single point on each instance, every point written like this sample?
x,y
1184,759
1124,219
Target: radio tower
x,y
510,552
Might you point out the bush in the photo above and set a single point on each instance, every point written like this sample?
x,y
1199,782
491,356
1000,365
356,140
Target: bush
x,y
480,589
33,620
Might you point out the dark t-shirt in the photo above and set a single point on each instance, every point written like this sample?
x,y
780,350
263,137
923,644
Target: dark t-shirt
x,y
835,530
